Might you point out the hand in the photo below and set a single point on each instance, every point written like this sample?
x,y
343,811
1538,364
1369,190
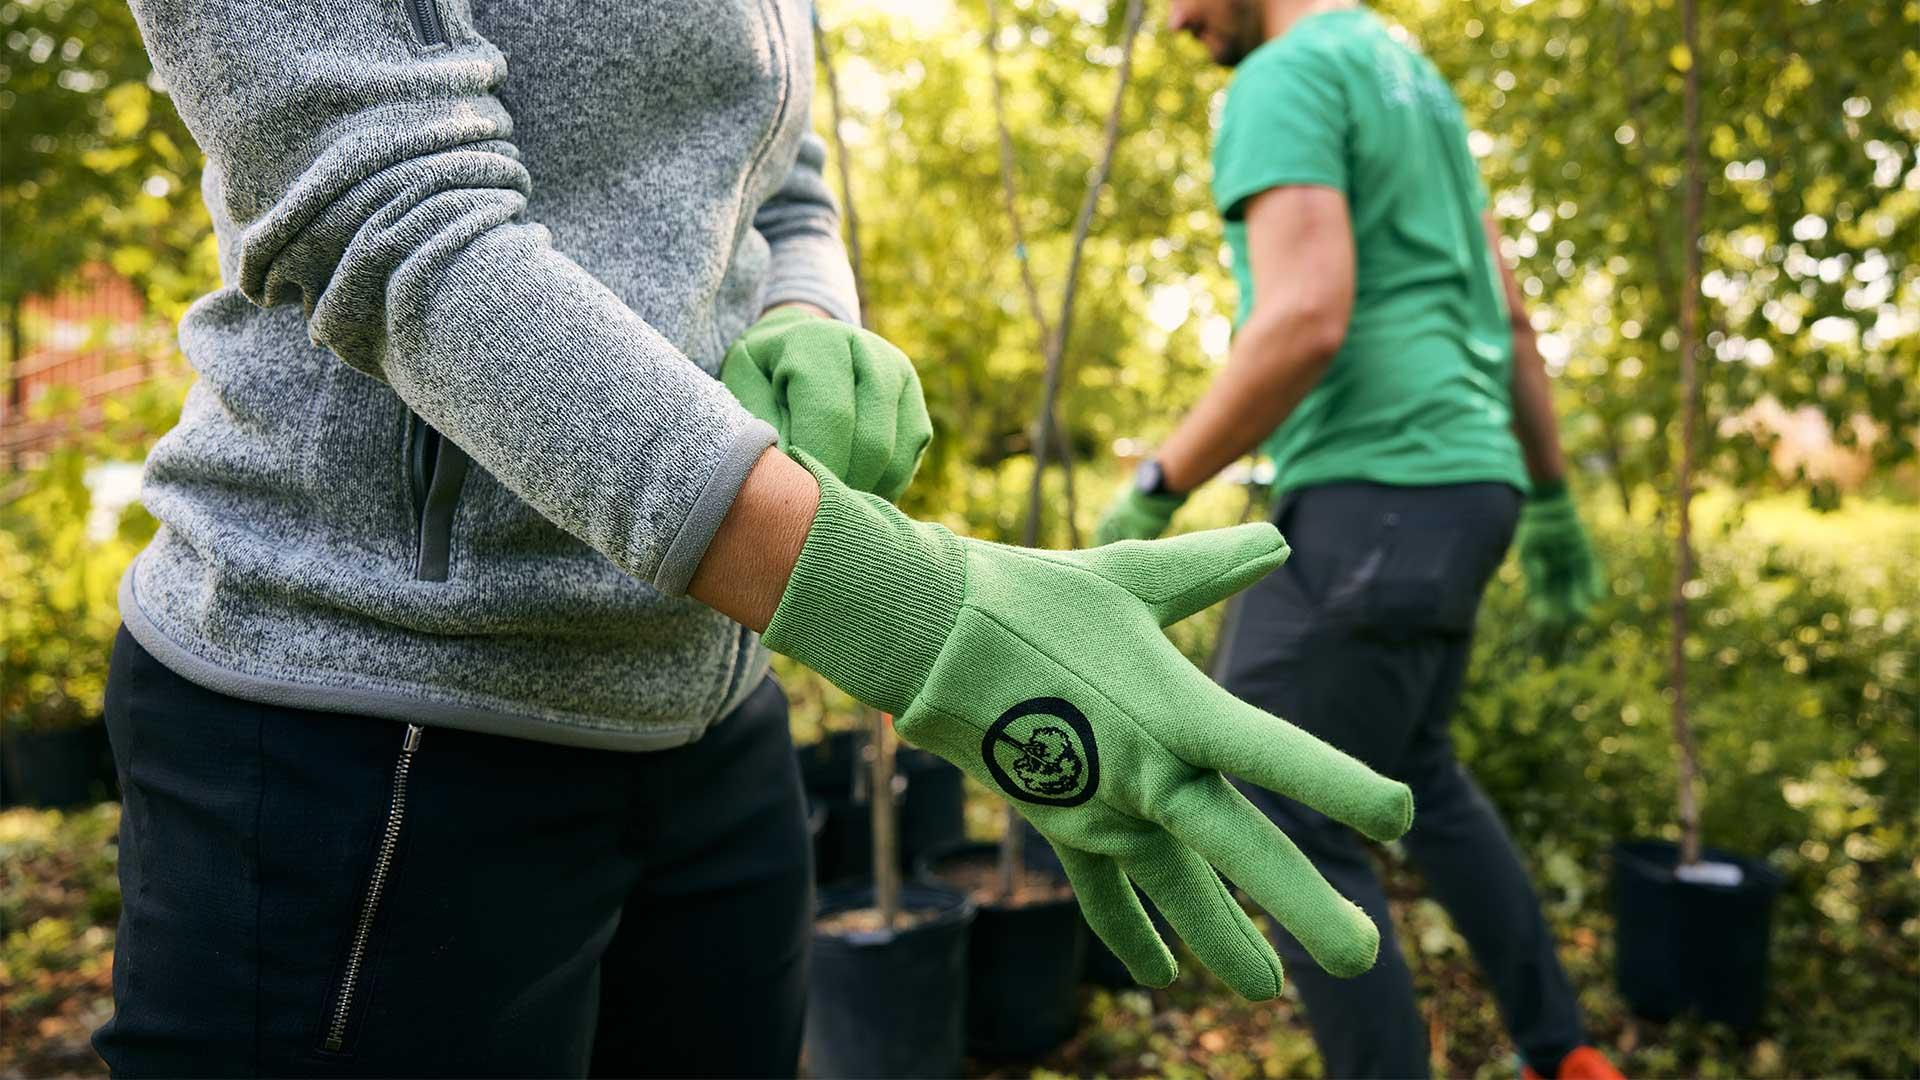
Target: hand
x,y
1135,515
838,392
1563,577
1046,676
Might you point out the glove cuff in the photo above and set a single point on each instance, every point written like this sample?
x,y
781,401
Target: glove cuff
x,y
1166,504
1550,490
872,598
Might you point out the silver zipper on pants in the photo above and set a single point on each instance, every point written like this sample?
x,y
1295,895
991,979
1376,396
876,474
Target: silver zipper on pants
x,y
350,975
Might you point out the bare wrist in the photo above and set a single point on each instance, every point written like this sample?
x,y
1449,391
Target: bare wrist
x,y
797,305
745,569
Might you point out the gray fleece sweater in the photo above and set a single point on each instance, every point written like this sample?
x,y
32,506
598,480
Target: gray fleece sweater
x,y
457,446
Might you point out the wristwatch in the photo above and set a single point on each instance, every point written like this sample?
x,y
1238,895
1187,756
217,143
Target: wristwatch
x,y
1150,478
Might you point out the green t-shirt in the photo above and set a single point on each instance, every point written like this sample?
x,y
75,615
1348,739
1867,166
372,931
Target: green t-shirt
x,y
1418,393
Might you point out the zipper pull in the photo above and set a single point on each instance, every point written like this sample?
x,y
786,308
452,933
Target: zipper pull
x,y
411,740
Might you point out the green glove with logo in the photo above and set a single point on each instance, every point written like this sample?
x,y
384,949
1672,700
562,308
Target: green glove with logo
x,y
1045,675
1136,515
1563,576
840,393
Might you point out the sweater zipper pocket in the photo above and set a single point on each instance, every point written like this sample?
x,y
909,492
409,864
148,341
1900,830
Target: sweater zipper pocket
x,y
424,15
436,469
354,969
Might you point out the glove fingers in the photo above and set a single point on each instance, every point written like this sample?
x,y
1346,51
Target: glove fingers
x,y
1219,823
1114,913
820,410
913,430
1563,578
1189,573
749,385
1592,586
1207,917
1215,730
874,386
904,463
1118,522
872,448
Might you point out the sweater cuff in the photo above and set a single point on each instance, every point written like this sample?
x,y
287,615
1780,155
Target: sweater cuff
x,y
813,270
710,507
872,598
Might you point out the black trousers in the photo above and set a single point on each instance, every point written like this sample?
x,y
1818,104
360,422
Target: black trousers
x,y
1362,638
302,894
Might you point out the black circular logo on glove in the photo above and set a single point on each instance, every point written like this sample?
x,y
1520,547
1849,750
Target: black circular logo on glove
x,y
1041,751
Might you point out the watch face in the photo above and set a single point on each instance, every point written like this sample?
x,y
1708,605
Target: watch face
x,y
1147,478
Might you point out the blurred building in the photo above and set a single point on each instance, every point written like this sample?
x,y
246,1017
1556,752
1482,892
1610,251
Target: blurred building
x,y
77,349
1802,446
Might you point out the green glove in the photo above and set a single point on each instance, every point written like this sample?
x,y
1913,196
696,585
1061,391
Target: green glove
x,y
1045,675
836,391
1563,577
1135,515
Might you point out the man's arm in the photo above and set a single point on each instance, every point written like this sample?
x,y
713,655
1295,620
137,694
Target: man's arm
x,y
1533,421
1300,245
1563,577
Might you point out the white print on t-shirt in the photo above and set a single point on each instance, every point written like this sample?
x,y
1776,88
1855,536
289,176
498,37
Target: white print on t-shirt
x,y
1405,82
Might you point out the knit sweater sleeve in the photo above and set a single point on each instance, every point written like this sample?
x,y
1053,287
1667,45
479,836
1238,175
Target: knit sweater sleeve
x,y
360,152
801,223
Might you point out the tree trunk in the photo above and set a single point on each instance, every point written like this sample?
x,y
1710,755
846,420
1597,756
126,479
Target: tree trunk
x,y
843,167
1688,796
1048,435
886,833
882,744
16,389
1616,464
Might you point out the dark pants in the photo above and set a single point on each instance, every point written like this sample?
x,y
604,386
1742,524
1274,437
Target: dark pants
x,y
539,910
1362,638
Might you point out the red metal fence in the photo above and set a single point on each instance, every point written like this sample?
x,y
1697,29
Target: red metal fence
x,y
96,338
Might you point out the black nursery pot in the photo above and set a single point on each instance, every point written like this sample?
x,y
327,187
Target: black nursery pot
x,y
889,1004
1691,946
58,767
827,766
1023,965
843,840
933,813
1103,968
932,809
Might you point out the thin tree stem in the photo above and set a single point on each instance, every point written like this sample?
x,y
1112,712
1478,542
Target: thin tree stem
x,y
886,832
841,163
1688,796
1007,194
1082,226
1044,330
881,740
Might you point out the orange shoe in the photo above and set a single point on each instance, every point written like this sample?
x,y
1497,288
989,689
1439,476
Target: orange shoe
x,y
1583,1063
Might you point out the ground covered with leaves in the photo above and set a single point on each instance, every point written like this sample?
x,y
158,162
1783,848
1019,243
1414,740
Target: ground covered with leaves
x,y
59,900
1198,1029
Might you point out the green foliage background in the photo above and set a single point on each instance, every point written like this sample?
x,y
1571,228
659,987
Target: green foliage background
x,y
1804,653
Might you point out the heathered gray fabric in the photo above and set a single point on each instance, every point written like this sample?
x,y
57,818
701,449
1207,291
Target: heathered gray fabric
x,y
538,236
